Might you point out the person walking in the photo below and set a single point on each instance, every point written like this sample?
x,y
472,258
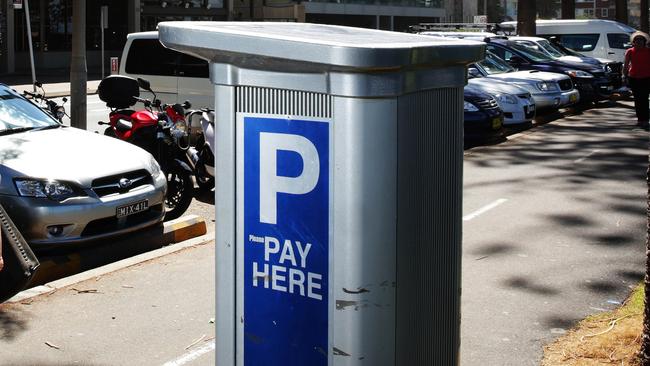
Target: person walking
x,y
636,71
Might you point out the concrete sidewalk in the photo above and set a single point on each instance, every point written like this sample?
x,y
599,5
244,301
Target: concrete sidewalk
x,y
153,309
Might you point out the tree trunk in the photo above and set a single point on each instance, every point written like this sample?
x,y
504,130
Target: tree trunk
x,y
569,9
78,71
644,354
644,15
621,11
526,14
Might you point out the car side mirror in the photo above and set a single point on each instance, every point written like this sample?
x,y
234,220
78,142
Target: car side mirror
x,y
473,72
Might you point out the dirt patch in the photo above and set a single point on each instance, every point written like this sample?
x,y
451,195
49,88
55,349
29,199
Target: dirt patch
x,y
611,338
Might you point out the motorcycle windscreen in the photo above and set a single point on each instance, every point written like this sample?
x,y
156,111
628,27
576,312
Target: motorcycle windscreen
x,y
20,261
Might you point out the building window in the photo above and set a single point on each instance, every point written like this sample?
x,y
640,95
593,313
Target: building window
x,y
604,13
51,24
584,13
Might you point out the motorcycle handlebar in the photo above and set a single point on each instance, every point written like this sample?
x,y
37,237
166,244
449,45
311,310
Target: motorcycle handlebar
x,y
33,95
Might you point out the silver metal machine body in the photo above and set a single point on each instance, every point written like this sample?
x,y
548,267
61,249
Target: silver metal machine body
x,y
338,191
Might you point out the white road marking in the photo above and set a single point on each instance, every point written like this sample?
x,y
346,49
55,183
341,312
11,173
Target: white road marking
x,y
586,156
99,110
484,209
193,355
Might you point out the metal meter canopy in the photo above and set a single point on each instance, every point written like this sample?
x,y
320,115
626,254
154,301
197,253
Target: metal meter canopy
x,y
254,43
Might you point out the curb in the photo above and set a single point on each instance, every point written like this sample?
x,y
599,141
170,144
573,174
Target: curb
x,y
184,226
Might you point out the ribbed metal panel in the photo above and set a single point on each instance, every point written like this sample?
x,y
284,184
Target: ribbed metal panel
x,y
429,209
283,102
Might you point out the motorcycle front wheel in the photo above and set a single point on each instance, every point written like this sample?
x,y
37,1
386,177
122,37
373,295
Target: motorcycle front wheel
x,y
179,193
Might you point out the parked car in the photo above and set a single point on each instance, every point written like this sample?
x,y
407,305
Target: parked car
x,y
175,76
592,37
483,119
516,103
611,68
548,89
590,80
62,185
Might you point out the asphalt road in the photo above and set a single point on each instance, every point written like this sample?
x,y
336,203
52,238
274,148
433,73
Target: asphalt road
x,y
554,230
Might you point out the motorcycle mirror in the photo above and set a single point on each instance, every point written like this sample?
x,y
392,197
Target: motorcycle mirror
x,y
65,99
187,104
38,84
144,84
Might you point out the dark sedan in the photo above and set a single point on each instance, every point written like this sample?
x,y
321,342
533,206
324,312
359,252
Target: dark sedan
x,y
590,80
482,115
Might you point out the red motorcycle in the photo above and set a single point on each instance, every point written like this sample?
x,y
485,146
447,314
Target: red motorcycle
x,y
159,128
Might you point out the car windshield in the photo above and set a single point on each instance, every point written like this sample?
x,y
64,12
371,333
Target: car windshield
x,y
492,65
18,114
549,48
532,54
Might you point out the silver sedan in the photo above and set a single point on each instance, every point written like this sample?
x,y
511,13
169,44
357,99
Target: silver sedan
x,y
62,185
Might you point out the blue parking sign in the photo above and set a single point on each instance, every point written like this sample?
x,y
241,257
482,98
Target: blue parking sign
x,y
286,241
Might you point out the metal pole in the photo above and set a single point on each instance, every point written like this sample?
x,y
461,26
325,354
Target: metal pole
x,y
101,25
29,40
78,70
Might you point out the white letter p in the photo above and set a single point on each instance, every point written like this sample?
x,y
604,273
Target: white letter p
x,y
271,184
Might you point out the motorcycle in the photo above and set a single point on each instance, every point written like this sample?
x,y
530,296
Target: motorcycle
x,y
160,129
201,151
51,107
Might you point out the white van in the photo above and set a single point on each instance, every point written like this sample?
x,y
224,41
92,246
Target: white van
x,y
174,76
598,38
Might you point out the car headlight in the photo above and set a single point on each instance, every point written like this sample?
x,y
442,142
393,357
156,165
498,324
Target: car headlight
x,y
154,167
44,188
506,98
578,74
547,86
469,107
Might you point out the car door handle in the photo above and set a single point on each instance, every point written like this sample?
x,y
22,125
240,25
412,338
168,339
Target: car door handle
x,y
611,53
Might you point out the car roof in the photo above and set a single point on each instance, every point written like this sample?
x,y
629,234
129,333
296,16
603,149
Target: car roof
x,y
594,22
521,38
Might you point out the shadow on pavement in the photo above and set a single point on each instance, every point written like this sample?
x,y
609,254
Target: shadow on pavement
x,y
525,284
559,322
57,264
602,287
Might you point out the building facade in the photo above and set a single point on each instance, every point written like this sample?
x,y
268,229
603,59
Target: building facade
x,y
51,22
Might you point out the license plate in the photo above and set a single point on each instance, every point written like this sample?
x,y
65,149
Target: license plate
x,y
573,97
133,208
496,123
